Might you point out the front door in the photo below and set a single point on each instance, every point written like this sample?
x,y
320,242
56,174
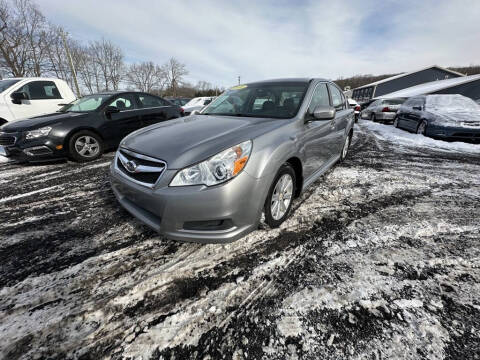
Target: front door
x,y
44,98
318,135
126,120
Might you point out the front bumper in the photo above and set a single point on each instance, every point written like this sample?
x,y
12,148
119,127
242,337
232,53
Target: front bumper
x,y
234,208
34,150
466,134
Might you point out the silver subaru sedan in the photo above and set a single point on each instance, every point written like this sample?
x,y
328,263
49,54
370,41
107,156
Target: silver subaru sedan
x,y
208,177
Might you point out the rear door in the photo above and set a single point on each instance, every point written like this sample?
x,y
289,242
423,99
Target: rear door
x,y
318,135
44,98
153,109
127,119
342,117
414,114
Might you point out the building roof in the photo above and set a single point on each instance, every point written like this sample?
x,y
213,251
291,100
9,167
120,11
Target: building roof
x,y
431,86
409,73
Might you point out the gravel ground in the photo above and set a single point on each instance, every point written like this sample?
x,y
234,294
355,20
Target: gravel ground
x,y
380,259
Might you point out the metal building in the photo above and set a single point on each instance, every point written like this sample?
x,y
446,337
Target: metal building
x,y
466,85
402,81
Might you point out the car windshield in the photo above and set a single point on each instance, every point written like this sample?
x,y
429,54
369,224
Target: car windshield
x,y
265,100
86,104
451,103
5,84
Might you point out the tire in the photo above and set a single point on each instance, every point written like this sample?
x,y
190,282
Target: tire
x,y
277,214
373,118
422,128
93,150
395,122
346,146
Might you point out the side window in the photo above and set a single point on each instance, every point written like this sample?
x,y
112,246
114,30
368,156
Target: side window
x,y
337,98
124,102
41,90
147,101
319,98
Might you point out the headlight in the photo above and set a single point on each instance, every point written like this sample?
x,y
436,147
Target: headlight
x,y
33,134
217,169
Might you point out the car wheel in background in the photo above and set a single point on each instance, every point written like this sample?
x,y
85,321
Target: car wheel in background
x,y
395,122
421,129
372,117
85,146
280,196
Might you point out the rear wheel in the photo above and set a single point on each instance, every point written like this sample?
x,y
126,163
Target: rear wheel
x,y
85,146
422,128
346,146
280,196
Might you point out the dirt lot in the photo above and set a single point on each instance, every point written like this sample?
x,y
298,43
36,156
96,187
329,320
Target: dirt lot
x,y
379,260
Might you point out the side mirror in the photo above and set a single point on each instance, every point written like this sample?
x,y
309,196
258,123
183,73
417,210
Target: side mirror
x,y
17,97
419,108
324,112
109,110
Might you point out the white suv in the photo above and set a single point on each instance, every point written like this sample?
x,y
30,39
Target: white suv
x,y
22,98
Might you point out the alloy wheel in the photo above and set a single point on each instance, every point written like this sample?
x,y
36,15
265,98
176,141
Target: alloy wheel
x,y
87,146
282,196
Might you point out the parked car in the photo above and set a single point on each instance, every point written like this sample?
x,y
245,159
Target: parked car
x,y
382,110
178,101
355,106
196,104
85,128
208,177
449,116
22,98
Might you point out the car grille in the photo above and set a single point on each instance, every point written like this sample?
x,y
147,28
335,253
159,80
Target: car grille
x,y
7,140
139,168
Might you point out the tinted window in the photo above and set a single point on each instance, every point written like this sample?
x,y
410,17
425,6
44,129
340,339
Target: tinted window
x,y
266,100
124,102
147,101
41,90
338,101
393,101
319,98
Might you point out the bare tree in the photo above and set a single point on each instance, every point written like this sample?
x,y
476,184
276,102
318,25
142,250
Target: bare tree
x,y
108,66
147,76
175,71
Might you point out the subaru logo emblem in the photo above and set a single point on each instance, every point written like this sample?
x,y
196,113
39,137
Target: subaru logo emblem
x,y
131,166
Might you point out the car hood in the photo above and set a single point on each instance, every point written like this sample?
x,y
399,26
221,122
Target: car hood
x,y
455,117
185,141
40,121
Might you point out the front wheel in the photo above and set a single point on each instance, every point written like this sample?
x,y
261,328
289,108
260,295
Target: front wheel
x,y
422,128
85,146
280,196
395,122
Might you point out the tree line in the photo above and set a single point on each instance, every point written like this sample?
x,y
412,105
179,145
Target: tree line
x,y
30,45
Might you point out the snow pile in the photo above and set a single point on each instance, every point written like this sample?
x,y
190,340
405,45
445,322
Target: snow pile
x,y
401,137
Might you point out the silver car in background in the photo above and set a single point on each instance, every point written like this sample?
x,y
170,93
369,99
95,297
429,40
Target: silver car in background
x,y
208,177
382,110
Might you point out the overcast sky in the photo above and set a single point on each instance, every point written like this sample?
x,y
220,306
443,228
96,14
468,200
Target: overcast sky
x,y
219,40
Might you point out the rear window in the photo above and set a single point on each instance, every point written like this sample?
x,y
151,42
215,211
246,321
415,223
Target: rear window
x,y
393,101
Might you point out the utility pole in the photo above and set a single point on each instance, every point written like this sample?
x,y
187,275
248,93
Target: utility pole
x,y
238,79
72,68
